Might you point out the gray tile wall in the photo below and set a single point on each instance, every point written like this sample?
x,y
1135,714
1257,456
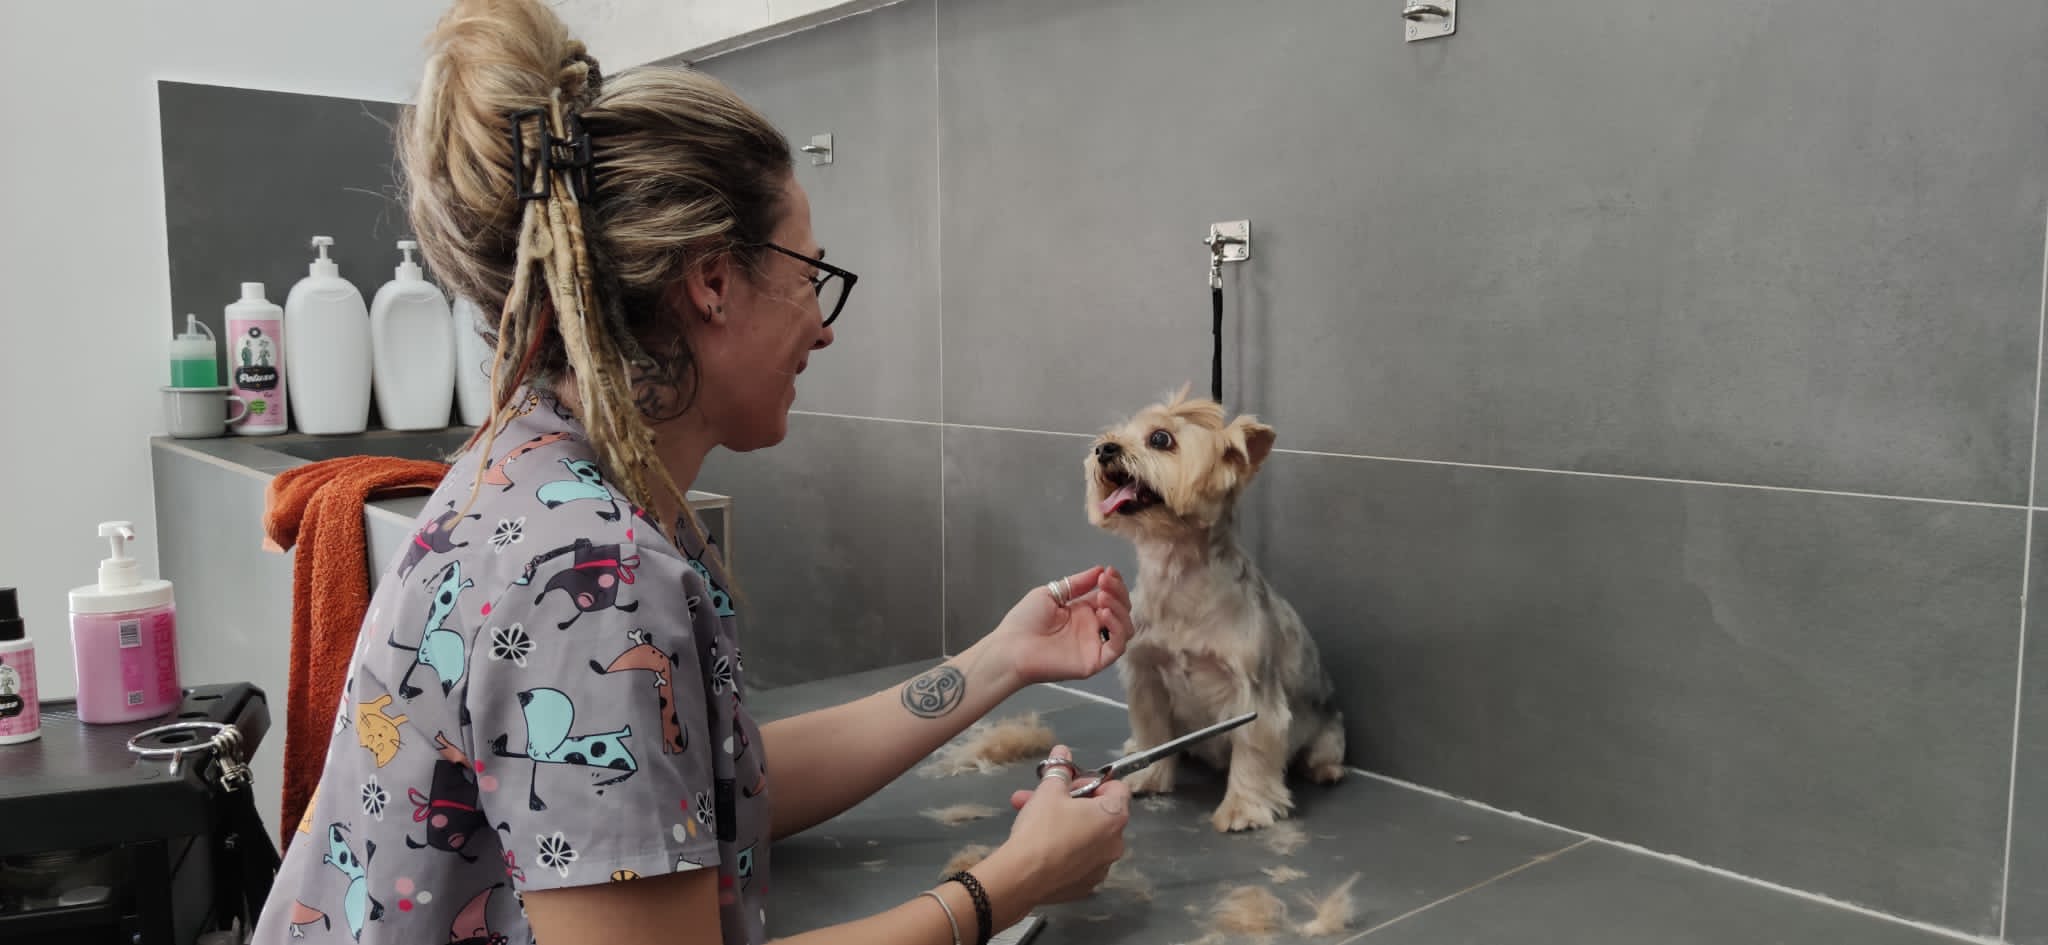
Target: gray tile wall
x,y
2026,917
841,547
1503,285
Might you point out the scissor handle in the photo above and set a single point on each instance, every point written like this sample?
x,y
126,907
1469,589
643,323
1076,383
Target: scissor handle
x,y
1103,775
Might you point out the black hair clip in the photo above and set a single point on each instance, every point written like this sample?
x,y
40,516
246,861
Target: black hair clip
x,y
569,155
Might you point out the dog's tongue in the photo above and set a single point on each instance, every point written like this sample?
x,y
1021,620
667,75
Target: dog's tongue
x,y
1128,492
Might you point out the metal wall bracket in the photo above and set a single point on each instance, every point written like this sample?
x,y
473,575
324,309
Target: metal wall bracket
x,y
1429,19
820,149
1229,241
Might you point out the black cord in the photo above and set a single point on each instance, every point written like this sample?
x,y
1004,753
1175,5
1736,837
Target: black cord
x,y
1216,356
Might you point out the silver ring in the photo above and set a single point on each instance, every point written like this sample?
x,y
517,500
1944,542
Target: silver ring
x,y
1054,762
1062,591
1057,771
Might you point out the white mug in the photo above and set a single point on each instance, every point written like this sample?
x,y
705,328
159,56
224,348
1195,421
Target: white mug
x,y
201,412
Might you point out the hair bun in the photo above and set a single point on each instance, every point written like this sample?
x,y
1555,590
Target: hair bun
x,y
581,82
485,60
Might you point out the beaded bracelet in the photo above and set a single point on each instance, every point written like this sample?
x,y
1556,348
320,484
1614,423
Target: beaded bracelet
x,y
984,917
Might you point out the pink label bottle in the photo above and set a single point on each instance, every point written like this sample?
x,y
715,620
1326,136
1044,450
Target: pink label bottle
x,y
20,714
124,637
256,368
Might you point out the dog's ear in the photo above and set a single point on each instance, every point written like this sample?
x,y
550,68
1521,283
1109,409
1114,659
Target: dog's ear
x,y
1250,443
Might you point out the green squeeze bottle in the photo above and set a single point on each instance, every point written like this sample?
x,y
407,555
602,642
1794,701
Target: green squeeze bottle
x,y
192,360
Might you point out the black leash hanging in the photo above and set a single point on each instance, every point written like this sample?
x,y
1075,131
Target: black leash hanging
x,y
1216,328
1218,242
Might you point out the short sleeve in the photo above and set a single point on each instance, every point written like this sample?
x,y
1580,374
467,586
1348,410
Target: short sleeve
x,y
587,712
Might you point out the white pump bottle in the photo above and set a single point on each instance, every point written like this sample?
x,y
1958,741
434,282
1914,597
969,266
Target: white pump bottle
x,y
472,364
412,335
327,345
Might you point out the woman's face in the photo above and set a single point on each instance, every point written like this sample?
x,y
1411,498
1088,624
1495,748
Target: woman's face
x,y
757,332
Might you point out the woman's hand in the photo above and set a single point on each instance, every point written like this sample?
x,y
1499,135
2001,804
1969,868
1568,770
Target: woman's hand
x,y
1064,845
1046,642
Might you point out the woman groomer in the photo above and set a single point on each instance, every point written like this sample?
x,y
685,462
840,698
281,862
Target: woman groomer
x,y
544,732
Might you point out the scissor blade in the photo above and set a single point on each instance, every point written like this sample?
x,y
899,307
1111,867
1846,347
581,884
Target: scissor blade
x,y
1123,767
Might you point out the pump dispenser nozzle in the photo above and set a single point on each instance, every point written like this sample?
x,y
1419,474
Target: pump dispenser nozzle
x,y
323,266
408,268
117,571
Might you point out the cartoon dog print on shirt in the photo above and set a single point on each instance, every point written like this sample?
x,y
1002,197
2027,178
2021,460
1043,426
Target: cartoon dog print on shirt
x,y
436,537
497,476
549,717
746,866
588,486
377,731
306,819
450,809
720,600
357,905
304,915
472,926
592,583
645,655
441,649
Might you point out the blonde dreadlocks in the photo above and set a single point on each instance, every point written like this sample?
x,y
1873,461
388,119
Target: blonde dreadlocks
x,y
681,170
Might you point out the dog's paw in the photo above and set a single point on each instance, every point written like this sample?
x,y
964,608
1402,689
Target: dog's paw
x,y
1326,773
1237,814
1157,779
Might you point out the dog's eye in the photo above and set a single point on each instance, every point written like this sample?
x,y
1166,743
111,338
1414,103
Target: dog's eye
x,y
1160,440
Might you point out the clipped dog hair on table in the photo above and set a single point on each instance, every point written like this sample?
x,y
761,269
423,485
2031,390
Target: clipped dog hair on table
x,y
966,859
1248,910
1332,913
1282,874
1284,838
1254,911
959,814
1125,878
987,747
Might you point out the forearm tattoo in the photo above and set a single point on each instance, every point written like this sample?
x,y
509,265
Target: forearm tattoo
x,y
935,693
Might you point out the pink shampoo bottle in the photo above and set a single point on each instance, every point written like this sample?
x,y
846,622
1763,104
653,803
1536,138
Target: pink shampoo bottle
x,y
124,637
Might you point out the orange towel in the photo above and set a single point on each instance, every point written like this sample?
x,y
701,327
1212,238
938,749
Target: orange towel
x,y
319,508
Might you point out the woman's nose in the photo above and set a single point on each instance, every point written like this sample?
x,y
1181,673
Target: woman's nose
x,y
824,339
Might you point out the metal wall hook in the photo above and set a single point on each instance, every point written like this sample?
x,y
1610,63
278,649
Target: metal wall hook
x,y
1427,20
820,149
1228,242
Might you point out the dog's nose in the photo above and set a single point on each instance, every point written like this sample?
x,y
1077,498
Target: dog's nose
x,y
1105,452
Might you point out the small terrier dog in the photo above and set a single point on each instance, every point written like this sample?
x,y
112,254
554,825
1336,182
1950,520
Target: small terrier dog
x,y
1211,638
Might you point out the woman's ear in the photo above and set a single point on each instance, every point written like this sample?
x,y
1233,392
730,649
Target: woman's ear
x,y
705,285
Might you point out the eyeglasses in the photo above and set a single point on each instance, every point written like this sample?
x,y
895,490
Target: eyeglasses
x,y
830,303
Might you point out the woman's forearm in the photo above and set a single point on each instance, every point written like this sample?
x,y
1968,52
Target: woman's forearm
x,y
683,907
826,761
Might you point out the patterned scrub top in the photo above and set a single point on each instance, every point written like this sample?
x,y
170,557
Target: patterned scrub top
x,y
546,692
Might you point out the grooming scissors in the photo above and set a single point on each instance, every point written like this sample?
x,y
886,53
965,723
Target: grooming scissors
x,y
1133,763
